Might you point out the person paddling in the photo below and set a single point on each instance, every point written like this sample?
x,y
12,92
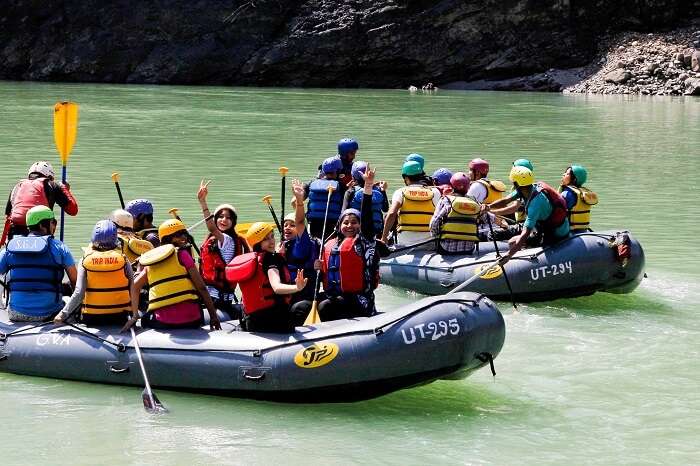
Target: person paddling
x,y
175,285
142,211
220,246
38,189
35,265
104,281
265,283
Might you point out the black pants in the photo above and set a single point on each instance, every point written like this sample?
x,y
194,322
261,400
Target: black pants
x,y
17,230
99,320
273,319
341,307
299,311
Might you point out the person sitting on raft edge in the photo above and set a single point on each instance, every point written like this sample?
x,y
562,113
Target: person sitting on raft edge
x,y
104,281
175,285
579,200
351,262
264,280
455,221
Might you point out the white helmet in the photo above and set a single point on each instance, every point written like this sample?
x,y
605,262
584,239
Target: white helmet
x,y
43,168
122,219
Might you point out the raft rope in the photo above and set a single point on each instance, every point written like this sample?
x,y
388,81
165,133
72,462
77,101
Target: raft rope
x,y
483,357
121,347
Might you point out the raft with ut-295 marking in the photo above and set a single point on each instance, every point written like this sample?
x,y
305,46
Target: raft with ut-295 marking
x,y
582,264
441,337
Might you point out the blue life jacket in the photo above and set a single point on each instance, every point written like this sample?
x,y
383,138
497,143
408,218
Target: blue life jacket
x,y
318,196
377,204
301,254
35,276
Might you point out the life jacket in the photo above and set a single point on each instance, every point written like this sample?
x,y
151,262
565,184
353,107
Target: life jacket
x,y
494,190
141,234
580,213
460,223
417,209
318,197
32,269
559,210
107,289
133,247
168,280
212,265
343,268
298,258
377,204
246,271
27,194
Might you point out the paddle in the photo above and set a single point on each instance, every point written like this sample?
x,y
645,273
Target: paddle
x,y
313,317
151,403
5,231
115,178
500,261
65,129
498,254
268,200
283,171
175,215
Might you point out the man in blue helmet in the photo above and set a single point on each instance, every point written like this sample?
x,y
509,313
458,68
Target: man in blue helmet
x,y
347,150
142,211
317,193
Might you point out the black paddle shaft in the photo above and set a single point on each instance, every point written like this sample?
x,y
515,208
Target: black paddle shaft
x,y
498,254
119,193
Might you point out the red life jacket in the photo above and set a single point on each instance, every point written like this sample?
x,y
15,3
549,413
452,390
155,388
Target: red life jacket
x,y
212,265
246,271
559,209
27,194
343,268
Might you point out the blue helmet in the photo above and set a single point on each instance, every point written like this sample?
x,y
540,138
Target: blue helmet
x,y
346,145
105,234
332,164
442,176
358,168
139,206
416,158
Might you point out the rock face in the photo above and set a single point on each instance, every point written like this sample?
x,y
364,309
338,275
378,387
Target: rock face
x,y
348,43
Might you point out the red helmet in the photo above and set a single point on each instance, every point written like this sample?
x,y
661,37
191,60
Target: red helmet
x,y
479,165
460,182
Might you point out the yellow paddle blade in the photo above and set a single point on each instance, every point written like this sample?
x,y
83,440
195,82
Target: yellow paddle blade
x,y
313,317
65,128
242,228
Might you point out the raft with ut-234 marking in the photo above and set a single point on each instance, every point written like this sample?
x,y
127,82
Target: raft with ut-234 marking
x,y
442,337
584,263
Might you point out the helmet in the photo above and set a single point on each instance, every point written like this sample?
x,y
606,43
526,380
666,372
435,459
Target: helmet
x,y
479,165
580,174
291,217
411,168
358,168
170,227
257,232
221,207
346,145
331,165
460,182
442,176
139,206
38,213
43,168
122,219
349,211
521,176
524,163
416,158
105,234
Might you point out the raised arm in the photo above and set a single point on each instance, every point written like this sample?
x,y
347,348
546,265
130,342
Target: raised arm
x,y
298,190
202,196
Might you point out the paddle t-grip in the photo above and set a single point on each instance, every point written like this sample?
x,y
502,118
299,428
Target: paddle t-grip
x,y
267,199
115,177
283,171
173,212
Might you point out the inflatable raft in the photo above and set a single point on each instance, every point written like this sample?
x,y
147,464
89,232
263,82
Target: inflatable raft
x,y
442,337
582,264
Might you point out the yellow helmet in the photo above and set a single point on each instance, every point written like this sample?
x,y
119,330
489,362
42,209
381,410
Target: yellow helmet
x,y
521,176
257,232
170,227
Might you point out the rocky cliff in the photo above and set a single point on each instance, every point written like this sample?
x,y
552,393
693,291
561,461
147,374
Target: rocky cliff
x,y
360,43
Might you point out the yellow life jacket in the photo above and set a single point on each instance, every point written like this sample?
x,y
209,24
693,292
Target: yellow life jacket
x,y
461,221
132,247
107,289
494,190
580,213
169,283
417,209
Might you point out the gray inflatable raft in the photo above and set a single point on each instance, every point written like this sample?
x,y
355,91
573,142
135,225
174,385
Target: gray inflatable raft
x,y
442,337
579,265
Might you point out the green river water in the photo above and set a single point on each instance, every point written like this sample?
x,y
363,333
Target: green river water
x,y
605,379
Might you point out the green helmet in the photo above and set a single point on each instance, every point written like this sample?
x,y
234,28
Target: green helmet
x,y
411,168
38,213
416,158
580,174
524,163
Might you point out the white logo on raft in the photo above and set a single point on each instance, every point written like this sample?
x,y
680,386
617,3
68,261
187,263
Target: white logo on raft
x,y
547,270
432,330
53,339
